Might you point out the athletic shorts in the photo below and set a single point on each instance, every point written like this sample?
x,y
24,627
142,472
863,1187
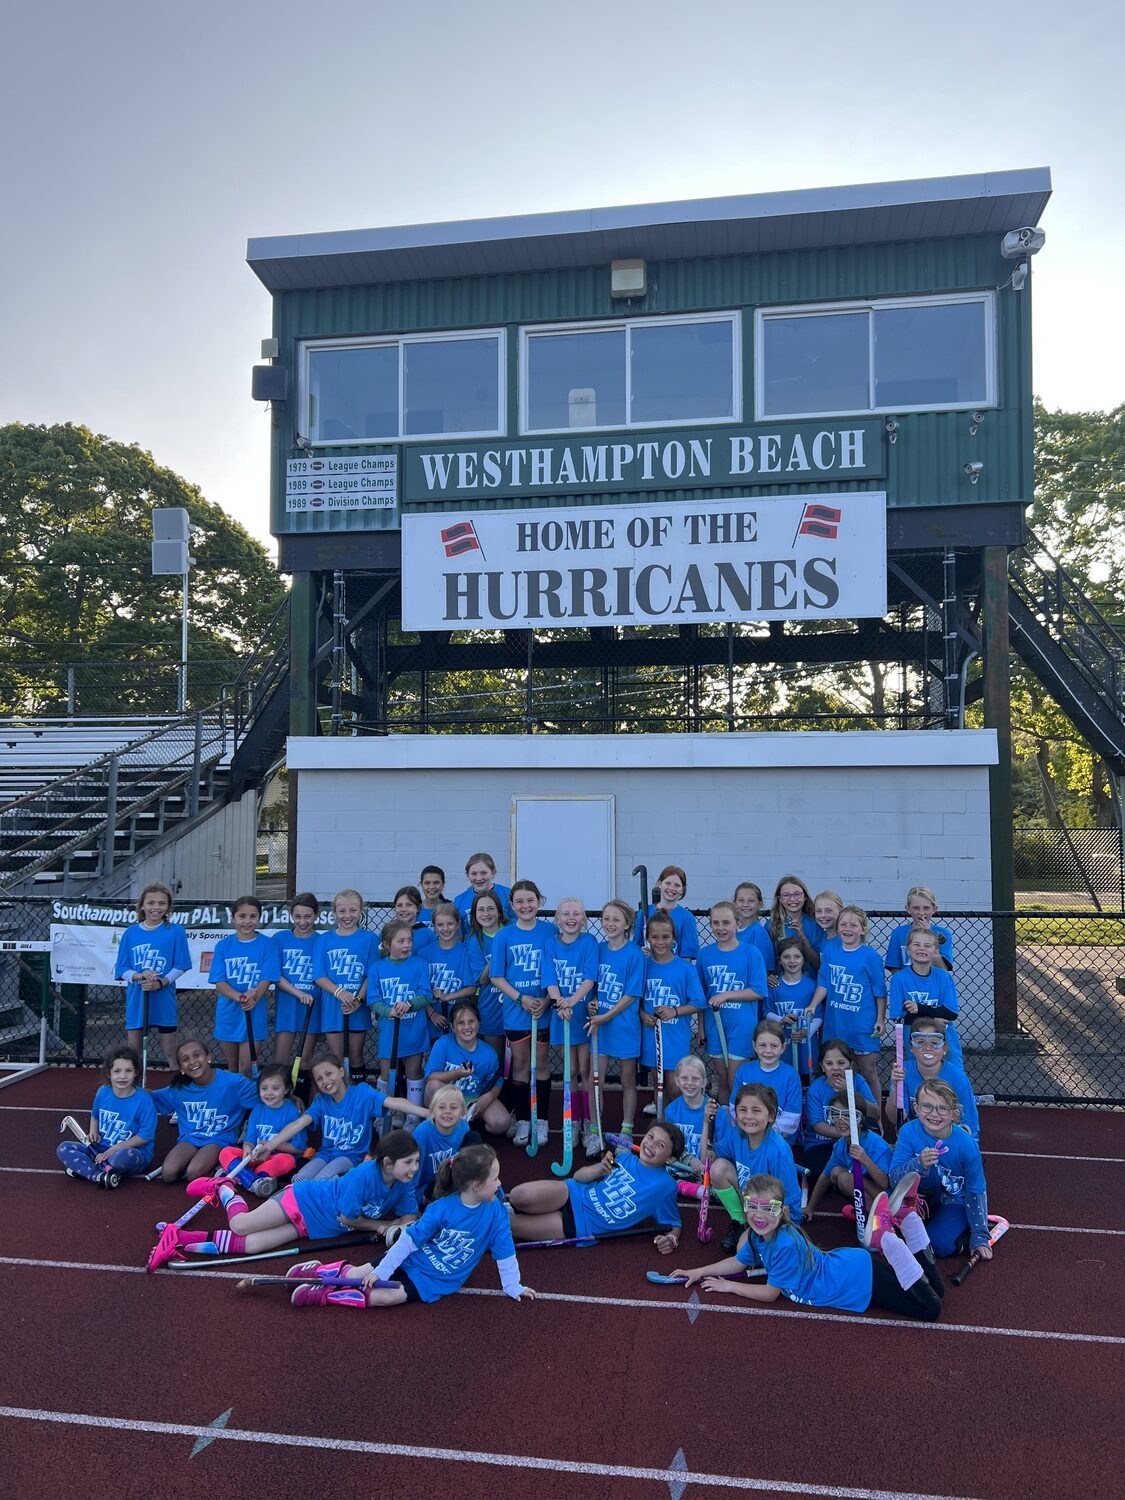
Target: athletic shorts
x,y
288,1201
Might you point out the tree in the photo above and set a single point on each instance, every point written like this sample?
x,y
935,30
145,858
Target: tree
x,y
75,574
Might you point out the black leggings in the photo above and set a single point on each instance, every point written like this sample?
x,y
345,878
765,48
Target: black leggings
x,y
921,1301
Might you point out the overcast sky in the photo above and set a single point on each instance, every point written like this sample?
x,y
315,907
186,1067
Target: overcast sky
x,y
145,142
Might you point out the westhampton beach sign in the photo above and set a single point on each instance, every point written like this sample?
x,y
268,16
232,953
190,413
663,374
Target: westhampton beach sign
x,y
784,453
778,557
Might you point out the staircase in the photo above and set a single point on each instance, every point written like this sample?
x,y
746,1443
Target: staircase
x,y
68,836
1070,648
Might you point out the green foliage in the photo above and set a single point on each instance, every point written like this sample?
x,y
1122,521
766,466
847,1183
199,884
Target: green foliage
x,y
75,568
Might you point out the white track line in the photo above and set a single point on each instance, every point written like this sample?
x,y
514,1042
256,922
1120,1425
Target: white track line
x,y
1052,1156
675,1478
646,1303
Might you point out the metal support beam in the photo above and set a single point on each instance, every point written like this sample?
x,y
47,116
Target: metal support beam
x,y
998,716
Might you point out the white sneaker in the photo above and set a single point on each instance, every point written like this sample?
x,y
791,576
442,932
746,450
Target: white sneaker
x,y
511,1130
649,1109
523,1133
544,1132
593,1144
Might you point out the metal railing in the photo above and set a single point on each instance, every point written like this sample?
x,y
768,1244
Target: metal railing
x,y
1055,1034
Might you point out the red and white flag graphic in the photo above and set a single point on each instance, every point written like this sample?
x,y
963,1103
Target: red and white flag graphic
x,y
819,520
461,538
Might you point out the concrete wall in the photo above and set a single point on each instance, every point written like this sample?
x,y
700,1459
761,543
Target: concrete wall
x,y
215,859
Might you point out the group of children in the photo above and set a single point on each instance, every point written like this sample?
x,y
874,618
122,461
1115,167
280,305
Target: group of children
x,y
467,997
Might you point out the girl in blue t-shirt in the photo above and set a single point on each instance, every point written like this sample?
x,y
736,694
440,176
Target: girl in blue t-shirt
x,y
749,1144
122,1127
672,885
921,908
735,984
924,988
789,1002
615,1020
852,986
672,993
518,972
400,996
408,908
462,1059
627,1190
376,1196
297,1006
436,1255
480,870
791,915
431,882
151,956
827,906
572,972
872,1153
767,1067
341,960
209,1107
453,971
747,901
486,918
442,1131
948,1162
818,1137
243,967
346,1114
927,1059
275,1109
691,1108
905,1280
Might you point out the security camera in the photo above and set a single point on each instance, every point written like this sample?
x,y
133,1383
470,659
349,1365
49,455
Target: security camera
x,y
974,471
1018,243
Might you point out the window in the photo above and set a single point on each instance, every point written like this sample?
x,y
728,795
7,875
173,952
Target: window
x,y
917,354
385,390
647,372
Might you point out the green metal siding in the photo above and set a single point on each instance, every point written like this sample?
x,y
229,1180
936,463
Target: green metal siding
x,y
925,464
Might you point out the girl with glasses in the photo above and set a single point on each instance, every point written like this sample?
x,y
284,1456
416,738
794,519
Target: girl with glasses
x,y
948,1163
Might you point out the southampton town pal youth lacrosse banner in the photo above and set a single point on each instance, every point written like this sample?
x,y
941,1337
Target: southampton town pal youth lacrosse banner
x,y
775,557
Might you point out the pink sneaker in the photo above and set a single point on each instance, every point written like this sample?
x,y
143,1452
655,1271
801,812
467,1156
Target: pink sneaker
x,y
309,1296
202,1187
904,1198
306,1268
166,1248
879,1223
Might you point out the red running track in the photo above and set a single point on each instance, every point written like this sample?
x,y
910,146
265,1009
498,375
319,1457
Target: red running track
x,y
615,1373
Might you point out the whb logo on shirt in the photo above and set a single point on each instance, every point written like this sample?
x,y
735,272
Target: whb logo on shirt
x,y
615,1199
341,1133
659,993
566,976
112,1127
450,1251
395,990
346,966
242,973
524,959
443,978
847,994
147,956
920,997
610,988
298,967
200,1116
722,980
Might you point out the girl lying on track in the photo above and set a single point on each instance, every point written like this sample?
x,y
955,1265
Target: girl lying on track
x,y
434,1256
905,1281
371,1197
628,1190
122,1127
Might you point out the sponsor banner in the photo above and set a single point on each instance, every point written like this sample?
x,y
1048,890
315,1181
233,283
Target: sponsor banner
x,y
776,557
85,936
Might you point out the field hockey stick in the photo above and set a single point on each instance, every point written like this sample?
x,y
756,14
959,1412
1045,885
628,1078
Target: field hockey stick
x,y
68,1122
251,1044
1000,1228
144,1038
677,1169
596,1081
168,1242
205,1262
392,1069
642,871
793,1054
562,1169
292,1281
721,1029
806,1022
659,1070
582,1239
533,1088
858,1199
900,1101
299,1051
658,1278
703,1231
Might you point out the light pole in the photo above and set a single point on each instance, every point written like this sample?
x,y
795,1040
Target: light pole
x,y
171,533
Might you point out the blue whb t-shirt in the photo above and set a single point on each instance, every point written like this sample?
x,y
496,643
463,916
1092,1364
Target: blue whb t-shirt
x,y
785,1083
434,1148
674,983
119,1119
897,956
772,1156
723,972
519,958
817,1097
871,1142
463,901
690,1122
160,949
268,1120
362,1193
345,1128
937,988
447,1052
853,979
621,972
452,1239
758,937
632,1193
244,965
452,969
815,1278
209,1114
959,1169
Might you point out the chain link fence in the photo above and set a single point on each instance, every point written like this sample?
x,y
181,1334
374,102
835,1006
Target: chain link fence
x,y
92,687
1042,1016
1083,863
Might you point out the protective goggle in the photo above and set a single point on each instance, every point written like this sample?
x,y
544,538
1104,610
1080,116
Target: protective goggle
x,y
773,1207
926,1038
836,1114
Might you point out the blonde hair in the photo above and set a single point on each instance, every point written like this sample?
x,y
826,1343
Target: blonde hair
x,y
833,896
765,1186
570,901
446,909
348,891
626,911
856,911
925,893
445,1095
725,906
690,1060
943,1091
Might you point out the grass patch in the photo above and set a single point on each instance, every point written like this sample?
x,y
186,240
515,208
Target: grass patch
x,y
1082,930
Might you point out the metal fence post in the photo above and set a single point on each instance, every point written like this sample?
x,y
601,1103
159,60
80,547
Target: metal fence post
x,y
110,817
196,763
